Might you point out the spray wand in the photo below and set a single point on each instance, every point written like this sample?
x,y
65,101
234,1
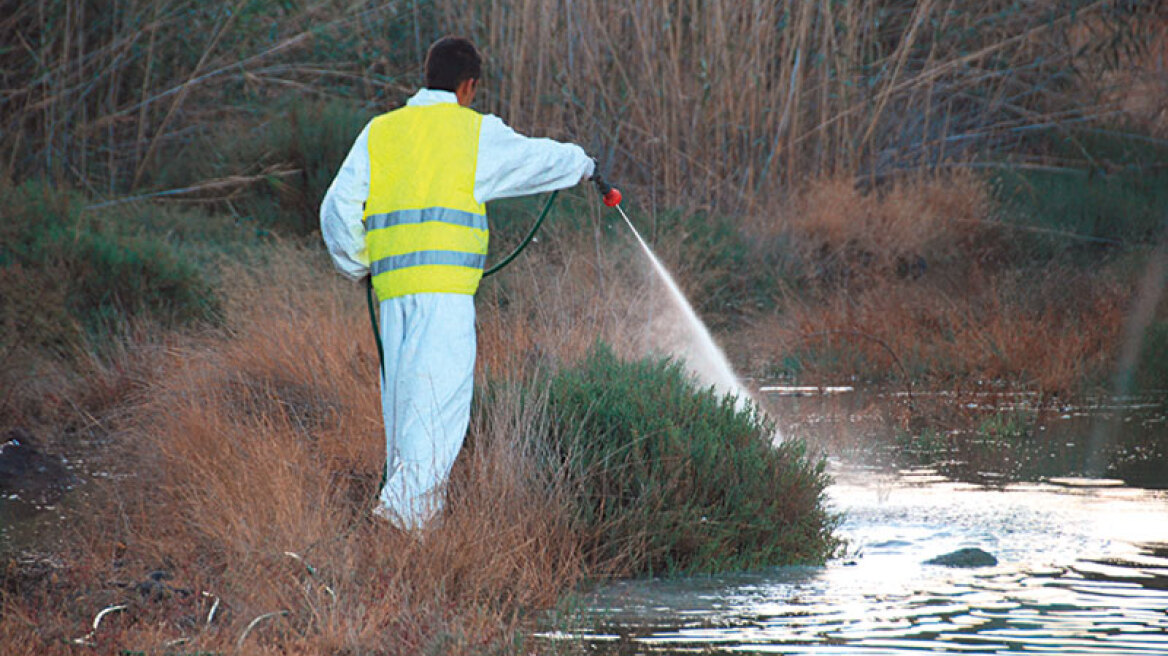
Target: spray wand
x,y
608,193
612,198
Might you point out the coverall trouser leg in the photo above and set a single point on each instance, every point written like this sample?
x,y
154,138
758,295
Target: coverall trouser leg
x,y
429,344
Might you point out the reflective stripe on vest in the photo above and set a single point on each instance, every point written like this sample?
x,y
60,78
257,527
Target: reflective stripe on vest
x,y
449,258
453,217
424,230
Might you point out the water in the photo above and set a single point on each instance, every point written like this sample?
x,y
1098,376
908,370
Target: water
x,y
37,488
1082,561
693,341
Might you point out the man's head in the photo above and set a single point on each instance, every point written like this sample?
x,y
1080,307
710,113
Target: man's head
x,y
453,64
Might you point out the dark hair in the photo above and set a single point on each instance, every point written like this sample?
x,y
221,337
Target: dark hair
x,y
450,61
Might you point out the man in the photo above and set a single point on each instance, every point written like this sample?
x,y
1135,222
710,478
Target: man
x,y
407,206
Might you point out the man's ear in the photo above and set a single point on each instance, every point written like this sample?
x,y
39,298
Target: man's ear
x,y
466,91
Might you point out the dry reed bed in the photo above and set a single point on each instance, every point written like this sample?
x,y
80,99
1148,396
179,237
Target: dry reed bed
x,y
699,103
732,103
102,97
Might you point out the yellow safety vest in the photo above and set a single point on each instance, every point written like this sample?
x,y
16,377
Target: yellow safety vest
x,y
424,230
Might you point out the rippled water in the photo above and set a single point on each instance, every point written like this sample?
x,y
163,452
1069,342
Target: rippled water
x,y
1082,568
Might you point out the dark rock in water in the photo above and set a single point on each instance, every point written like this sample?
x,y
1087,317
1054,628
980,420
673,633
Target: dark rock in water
x,y
970,557
26,471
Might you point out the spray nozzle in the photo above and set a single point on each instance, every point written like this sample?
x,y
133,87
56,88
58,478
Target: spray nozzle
x,y
609,194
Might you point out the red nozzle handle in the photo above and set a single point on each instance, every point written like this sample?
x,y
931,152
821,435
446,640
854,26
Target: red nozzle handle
x,y
611,195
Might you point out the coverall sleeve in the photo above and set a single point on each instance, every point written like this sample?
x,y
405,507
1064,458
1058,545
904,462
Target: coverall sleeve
x,y
341,212
510,164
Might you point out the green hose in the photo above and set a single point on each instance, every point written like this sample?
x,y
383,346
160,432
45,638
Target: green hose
x,y
376,329
380,361
526,240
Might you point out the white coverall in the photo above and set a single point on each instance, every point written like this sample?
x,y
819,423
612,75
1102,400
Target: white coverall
x,y
429,339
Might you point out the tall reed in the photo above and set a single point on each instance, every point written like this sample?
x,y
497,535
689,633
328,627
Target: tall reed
x,y
700,101
711,101
100,94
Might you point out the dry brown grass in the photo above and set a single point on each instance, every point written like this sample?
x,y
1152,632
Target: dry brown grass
x,y
911,282
234,449
1029,334
833,219
249,455
266,441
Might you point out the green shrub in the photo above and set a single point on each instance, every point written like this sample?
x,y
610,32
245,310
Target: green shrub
x,y
731,273
295,151
676,478
70,274
1114,198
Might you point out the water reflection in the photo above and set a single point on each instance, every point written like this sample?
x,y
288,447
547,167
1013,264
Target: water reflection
x,y
989,437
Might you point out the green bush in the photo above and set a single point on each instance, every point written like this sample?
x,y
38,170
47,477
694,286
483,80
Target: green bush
x,y
70,274
732,273
1111,197
676,478
295,151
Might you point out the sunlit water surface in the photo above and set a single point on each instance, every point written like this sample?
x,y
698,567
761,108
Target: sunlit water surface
x,y
1082,568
